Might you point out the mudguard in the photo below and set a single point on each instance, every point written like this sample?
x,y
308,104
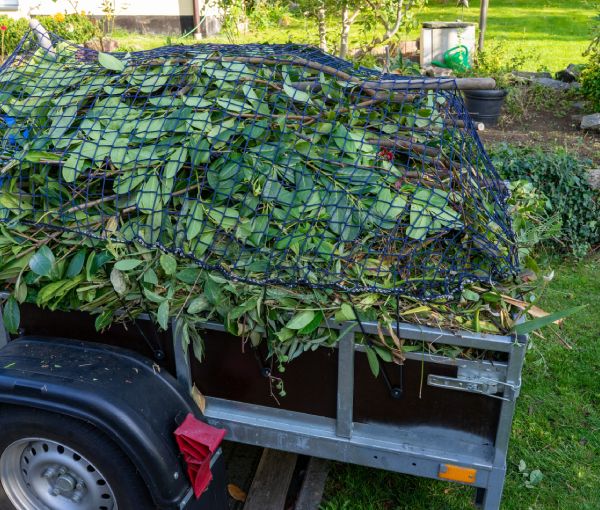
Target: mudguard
x,y
123,394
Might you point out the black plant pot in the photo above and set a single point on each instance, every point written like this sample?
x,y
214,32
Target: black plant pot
x,y
485,105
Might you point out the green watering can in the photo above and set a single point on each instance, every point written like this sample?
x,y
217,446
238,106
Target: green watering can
x,y
456,58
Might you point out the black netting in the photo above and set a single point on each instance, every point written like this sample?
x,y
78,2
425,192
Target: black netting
x,y
274,164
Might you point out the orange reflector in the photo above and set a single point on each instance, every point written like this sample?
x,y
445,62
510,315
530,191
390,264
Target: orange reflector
x,y
457,473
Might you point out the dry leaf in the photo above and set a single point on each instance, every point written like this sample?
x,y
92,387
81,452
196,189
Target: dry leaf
x,y
532,310
236,493
198,398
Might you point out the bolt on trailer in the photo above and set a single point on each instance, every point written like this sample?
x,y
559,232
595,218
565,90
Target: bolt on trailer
x,y
192,196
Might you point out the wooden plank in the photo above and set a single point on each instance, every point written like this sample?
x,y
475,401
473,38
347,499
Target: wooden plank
x,y
313,486
271,481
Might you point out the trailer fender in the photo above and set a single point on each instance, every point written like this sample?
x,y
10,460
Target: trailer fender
x,y
123,394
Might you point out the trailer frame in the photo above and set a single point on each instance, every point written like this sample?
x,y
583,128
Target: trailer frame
x,y
424,451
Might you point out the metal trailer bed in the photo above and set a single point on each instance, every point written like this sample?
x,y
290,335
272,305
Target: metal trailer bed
x,y
434,416
454,425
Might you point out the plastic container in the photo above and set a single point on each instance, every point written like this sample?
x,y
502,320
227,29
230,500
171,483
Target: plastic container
x,y
485,105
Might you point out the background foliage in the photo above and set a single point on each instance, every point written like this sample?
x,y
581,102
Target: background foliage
x,y
562,178
73,27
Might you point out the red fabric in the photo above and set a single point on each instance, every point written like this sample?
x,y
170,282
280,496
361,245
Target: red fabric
x,y
198,442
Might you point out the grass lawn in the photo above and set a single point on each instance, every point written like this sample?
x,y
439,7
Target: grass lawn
x,y
550,33
556,427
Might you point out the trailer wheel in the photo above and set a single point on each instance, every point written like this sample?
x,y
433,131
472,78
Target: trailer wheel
x,y
52,462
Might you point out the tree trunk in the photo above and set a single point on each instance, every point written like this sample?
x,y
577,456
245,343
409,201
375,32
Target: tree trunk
x,y
347,20
321,18
345,31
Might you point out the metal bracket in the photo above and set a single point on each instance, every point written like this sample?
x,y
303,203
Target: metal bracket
x,y
484,380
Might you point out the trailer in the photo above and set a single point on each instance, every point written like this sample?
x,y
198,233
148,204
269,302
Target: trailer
x,y
352,183
433,416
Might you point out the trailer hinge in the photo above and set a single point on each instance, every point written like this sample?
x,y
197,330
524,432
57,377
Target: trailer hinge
x,y
485,380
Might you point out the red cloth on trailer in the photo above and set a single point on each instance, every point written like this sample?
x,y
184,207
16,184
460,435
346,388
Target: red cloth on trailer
x,y
198,442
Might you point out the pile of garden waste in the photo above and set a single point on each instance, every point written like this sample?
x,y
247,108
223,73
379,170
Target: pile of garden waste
x,y
269,188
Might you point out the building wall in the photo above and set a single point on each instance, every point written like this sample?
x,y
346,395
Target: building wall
x,y
93,7
145,16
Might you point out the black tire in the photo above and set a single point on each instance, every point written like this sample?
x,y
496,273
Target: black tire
x,y
129,491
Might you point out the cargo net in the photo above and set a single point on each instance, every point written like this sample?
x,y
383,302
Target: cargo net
x,y
273,164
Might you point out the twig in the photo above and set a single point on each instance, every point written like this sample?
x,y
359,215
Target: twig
x,y
302,62
41,243
174,194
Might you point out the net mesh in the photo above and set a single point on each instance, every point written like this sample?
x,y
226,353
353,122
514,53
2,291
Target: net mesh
x,y
273,164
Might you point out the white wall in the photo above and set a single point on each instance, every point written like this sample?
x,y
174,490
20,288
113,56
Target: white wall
x,y
93,7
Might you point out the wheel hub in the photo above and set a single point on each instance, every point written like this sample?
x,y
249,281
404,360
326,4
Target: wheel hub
x,y
64,483
39,474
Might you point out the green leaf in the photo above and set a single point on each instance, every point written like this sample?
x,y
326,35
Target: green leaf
x,y
470,295
72,167
168,263
189,275
110,62
535,477
373,361
301,320
42,261
176,161
149,197
11,315
540,322
153,296
212,291
294,93
62,122
285,334
389,207
313,325
162,315
195,220
197,344
150,276
198,305
104,320
127,264
21,291
224,217
345,313
383,353
199,148
420,222
234,106
76,264
118,281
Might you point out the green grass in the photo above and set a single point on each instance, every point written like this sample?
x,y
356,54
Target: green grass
x,y
550,33
556,427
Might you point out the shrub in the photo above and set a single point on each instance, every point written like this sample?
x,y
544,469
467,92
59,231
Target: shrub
x,y
264,15
590,82
562,178
15,29
74,27
533,218
590,77
498,62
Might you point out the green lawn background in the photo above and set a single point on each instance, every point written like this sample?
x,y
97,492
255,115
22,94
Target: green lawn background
x,y
551,33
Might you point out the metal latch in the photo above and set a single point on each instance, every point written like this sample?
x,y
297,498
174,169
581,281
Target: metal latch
x,y
485,380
